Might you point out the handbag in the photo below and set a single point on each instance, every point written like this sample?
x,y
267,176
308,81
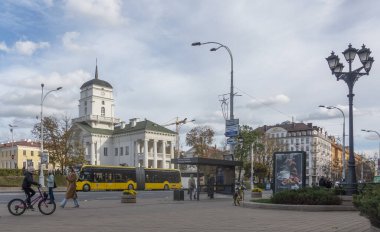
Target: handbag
x,y
55,185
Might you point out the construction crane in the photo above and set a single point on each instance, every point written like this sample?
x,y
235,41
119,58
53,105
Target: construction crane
x,y
178,123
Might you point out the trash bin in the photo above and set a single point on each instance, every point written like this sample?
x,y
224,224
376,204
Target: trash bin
x,y
179,195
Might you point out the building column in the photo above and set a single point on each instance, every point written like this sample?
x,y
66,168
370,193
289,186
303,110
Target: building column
x,y
164,154
154,153
146,153
137,150
171,153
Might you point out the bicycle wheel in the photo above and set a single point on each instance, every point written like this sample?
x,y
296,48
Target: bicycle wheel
x,y
46,208
17,207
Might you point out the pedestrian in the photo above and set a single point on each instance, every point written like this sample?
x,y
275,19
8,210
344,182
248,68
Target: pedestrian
x,y
71,188
211,182
50,184
27,185
322,182
191,184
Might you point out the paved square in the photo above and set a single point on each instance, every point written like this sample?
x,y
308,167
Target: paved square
x,y
168,215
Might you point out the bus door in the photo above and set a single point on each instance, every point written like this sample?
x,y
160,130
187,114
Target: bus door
x,y
109,181
140,178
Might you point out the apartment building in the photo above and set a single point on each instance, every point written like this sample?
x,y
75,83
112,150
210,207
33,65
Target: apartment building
x,y
19,154
313,140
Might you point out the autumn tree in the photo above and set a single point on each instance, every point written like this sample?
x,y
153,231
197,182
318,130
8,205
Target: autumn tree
x,y
201,138
57,136
247,139
264,150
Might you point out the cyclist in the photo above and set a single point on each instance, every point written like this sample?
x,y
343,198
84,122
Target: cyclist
x,y
27,185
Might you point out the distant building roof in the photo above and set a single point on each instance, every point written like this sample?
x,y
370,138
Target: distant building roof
x,y
290,126
96,81
140,126
143,125
20,143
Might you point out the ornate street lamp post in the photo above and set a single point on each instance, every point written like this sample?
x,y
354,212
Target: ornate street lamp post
x,y
41,178
232,147
350,78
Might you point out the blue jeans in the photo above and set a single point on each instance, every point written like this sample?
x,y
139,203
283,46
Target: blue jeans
x,y
51,195
63,203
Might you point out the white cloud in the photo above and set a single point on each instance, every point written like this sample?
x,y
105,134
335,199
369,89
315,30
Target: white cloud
x,y
97,10
278,99
27,47
3,47
68,40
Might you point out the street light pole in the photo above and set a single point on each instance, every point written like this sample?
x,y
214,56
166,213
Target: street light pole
x,y
12,152
232,147
41,178
344,139
378,155
350,78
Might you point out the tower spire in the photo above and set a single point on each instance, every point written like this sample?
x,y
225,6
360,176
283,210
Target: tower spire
x,y
96,69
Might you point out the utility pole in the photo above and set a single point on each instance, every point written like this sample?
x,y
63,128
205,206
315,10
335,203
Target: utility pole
x,y
178,123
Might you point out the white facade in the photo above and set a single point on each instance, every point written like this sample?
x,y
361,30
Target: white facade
x,y
109,141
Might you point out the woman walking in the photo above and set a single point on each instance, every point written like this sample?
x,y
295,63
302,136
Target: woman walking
x,y
50,185
71,188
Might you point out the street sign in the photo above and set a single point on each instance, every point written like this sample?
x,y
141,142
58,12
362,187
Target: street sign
x,y
232,128
45,158
231,141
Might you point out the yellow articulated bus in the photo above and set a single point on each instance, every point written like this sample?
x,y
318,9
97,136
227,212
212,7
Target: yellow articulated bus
x,y
93,177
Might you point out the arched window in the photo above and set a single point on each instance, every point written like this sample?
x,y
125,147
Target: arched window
x,y
103,111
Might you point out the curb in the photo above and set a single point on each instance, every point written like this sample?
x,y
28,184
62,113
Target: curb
x,y
307,208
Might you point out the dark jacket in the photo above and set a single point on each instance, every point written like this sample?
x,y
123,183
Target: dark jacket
x,y
28,180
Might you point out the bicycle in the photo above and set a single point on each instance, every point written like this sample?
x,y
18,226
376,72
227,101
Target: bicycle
x,y
238,194
18,206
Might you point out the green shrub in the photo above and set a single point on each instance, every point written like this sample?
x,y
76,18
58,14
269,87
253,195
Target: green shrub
x,y
339,191
306,196
16,181
368,205
11,172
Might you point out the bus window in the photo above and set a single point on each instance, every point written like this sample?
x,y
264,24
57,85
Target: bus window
x,y
98,177
85,176
108,177
118,177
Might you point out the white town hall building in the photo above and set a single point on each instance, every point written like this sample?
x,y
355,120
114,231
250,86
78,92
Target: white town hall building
x,y
109,141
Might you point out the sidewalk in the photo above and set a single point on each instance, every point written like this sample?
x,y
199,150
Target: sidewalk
x,y
172,216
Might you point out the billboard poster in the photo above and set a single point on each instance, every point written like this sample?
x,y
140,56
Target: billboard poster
x,y
289,170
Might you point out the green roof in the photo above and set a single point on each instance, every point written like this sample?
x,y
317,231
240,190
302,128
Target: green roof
x,y
88,128
145,125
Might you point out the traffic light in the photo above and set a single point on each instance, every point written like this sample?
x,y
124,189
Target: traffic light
x,y
13,156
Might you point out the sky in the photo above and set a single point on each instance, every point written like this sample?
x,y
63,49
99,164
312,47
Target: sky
x,y
143,49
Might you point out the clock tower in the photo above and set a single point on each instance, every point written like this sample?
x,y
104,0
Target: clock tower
x,y
96,104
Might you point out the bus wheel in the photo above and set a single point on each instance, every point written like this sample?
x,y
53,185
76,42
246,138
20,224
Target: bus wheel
x,y
166,187
86,188
130,187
